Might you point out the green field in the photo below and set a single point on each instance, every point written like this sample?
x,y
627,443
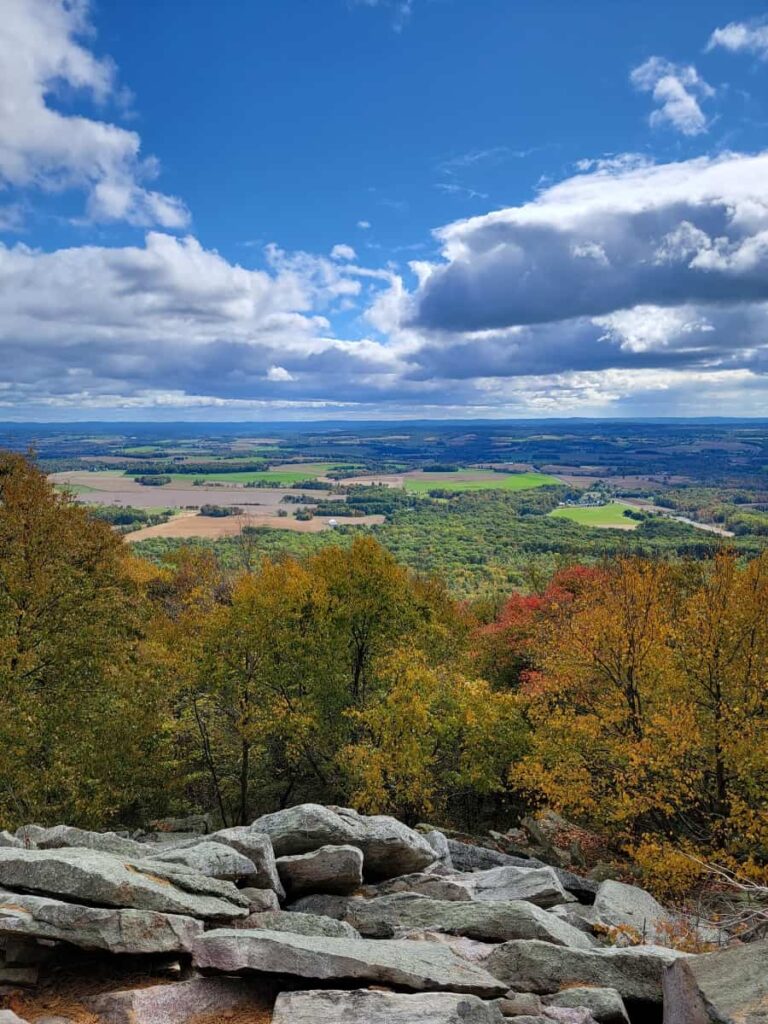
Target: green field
x,y
307,471
601,516
465,480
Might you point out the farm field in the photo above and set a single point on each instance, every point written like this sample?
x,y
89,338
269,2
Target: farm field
x,y
189,525
418,481
609,516
113,488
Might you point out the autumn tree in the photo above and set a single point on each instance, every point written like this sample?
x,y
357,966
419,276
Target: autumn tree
x,y
431,735
646,702
375,603
720,650
262,694
78,704
272,660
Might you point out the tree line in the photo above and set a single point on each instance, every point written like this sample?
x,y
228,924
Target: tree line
x,y
630,695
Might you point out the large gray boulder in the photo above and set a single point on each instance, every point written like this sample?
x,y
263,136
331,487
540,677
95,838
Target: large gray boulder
x,y
533,966
261,900
103,879
619,905
536,885
435,886
439,844
390,916
324,905
214,860
114,930
605,1004
727,987
258,849
466,857
177,1003
329,869
67,836
6,839
365,1007
301,924
389,847
421,966
584,889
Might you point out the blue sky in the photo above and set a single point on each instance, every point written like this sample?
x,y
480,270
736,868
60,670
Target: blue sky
x,y
373,209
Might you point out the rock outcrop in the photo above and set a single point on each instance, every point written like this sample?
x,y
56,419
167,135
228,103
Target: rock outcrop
x,y
349,919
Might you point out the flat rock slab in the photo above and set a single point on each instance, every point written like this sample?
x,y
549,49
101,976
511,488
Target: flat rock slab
x,y
329,869
420,966
389,847
535,885
67,836
388,916
114,930
177,1003
300,924
363,1007
436,886
103,879
730,987
533,966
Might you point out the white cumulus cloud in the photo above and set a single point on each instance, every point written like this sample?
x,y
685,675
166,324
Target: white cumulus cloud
x,y
741,37
677,90
343,252
42,48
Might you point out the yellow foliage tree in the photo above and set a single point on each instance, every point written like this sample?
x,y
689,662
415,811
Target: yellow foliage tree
x,y
429,734
79,706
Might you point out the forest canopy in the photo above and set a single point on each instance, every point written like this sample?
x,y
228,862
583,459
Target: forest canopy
x,y
628,694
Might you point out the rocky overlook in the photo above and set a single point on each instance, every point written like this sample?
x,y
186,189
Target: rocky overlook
x,y
320,914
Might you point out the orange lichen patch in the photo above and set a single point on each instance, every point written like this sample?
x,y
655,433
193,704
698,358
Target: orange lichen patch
x,y
147,874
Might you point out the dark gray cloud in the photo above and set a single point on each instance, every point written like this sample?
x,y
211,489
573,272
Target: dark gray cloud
x,y
650,235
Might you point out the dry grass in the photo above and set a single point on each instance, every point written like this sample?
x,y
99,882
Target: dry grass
x,y
250,1016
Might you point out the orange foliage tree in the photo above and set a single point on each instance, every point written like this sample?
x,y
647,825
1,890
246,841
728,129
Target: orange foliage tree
x,y
645,695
